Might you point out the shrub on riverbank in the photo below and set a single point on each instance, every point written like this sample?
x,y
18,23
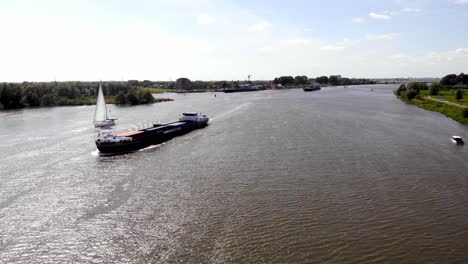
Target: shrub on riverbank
x,y
10,96
401,90
410,91
435,88
417,86
144,97
134,97
120,99
49,100
465,112
411,94
413,89
459,94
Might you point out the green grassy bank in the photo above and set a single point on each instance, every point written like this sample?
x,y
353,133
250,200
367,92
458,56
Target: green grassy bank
x,y
451,111
447,95
159,90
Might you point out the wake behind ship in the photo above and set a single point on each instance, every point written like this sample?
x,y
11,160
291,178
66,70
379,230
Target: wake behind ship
x,y
124,142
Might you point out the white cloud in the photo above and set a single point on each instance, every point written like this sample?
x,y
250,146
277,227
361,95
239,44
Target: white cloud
x,y
260,27
411,10
267,49
204,19
358,20
348,42
448,56
461,50
434,63
399,56
332,48
294,41
386,15
341,45
379,16
439,58
388,36
461,2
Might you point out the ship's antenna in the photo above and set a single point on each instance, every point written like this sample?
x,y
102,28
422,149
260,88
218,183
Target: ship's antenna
x,y
250,75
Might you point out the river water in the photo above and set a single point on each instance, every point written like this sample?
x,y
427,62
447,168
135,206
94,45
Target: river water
x,y
342,175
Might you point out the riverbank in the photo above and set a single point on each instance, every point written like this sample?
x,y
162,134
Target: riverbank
x,y
24,95
112,100
90,101
429,103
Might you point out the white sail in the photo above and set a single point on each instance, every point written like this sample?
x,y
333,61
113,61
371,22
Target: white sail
x,y
101,112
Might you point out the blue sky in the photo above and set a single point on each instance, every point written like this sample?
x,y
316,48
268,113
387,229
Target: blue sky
x,y
215,39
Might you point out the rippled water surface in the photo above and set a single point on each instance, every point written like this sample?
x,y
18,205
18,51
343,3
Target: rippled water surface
x,y
342,175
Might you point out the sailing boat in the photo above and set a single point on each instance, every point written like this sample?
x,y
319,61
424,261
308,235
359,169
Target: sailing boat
x,y
100,114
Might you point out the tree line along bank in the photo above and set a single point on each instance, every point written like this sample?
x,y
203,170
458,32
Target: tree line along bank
x,y
333,80
26,94
132,92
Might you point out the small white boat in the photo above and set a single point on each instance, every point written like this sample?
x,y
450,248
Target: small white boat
x,y
100,114
457,140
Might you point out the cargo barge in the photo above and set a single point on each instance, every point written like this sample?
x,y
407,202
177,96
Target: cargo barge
x,y
117,143
313,87
244,88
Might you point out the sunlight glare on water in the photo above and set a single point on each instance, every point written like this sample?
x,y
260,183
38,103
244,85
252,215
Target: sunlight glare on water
x,y
334,176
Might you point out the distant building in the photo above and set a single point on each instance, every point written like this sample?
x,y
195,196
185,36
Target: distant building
x,y
183,83
338,77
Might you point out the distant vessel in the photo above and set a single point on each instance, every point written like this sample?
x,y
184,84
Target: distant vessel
x,y
313,87
246,87
100,114
457,140
124,142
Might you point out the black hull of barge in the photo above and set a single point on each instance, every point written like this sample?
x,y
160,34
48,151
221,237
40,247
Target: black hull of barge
x,y
241,90
144,141
311,89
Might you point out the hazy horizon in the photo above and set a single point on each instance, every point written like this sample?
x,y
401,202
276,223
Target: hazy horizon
x,y
227,40
218,80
